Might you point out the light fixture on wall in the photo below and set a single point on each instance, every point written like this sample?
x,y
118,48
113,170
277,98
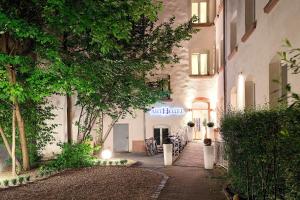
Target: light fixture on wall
x,y
241,92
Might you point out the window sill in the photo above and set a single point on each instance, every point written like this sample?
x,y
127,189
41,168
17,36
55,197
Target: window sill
x,y
202,76
270,5
232,53
197,25
249,32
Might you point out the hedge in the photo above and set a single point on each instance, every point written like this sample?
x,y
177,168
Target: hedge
x,y
263,150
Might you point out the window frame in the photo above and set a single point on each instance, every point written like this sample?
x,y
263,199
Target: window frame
x,y
199,11
199,64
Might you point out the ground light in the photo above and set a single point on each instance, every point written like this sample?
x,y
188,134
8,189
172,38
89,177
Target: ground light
x,y
106,154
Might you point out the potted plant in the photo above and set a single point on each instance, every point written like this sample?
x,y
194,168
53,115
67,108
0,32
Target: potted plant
x,y
191,124
210,130
208,151
168,151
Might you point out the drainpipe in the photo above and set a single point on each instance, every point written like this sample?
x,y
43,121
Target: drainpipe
x,y
144,116
224,55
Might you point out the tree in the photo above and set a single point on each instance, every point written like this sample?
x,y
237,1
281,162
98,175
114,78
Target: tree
x,y
124,75
24,46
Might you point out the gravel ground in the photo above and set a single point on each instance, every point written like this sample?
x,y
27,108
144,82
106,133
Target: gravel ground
x,y
90,183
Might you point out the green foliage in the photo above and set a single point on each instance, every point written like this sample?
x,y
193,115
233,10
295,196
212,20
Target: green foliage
x,y
263,148
6,183
27,178
123,162
39,133
13,181
72,156
210,124
21,179
290,58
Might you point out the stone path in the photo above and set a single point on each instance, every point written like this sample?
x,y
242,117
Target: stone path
x,y
189,180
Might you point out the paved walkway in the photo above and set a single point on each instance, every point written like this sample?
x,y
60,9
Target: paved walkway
x,y
189,180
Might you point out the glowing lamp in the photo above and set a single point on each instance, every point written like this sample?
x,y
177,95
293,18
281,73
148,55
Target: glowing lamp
x,y
106,154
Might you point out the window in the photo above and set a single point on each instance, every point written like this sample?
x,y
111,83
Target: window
x,y
249,14
233,35
199,9
221,53
199,64
162,83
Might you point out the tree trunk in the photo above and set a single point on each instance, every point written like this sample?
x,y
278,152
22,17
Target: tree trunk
x,y
13,146
20,121
7,146
110,128
69,119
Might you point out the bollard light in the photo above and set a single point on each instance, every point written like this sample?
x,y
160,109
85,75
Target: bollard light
x,y
106,154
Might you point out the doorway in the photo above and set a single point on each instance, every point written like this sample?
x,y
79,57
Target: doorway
x,y
121,135
200,116
160,134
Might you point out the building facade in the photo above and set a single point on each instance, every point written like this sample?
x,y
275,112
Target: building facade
x,y
231,62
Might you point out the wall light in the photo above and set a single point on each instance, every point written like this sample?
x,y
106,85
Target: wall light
x,y
106,154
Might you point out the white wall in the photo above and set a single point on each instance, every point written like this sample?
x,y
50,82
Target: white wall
x,y
254,55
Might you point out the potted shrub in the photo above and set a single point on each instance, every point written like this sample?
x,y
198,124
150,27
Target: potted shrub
x,y
208,151
210,130
14,181
21,179
191,124
168,151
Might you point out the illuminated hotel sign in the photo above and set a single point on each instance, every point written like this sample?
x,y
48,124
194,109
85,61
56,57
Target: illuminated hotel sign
x,y
166,111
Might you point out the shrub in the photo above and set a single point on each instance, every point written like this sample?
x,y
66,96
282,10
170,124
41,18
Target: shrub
x,y
123,162
210,124
14,181
191,124
104,162
263,148
27,178
6,183
116,162
21,179
110,162
72,156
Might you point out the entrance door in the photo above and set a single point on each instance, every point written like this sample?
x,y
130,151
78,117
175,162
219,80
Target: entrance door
x,y
160,135
121,134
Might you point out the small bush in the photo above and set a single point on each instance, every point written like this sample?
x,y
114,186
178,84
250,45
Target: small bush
x,y
123,162
6,183
21,179
72,156
110,162
210,124
116,162
104,163
14,181
27,178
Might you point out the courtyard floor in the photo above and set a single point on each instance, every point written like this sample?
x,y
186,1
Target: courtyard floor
x,y
90,183
189,180
187,177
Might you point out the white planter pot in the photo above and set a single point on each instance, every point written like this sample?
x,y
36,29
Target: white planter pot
x,y
208,157
211,133
168,159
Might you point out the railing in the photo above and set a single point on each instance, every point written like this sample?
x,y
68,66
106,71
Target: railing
x,y
220,157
